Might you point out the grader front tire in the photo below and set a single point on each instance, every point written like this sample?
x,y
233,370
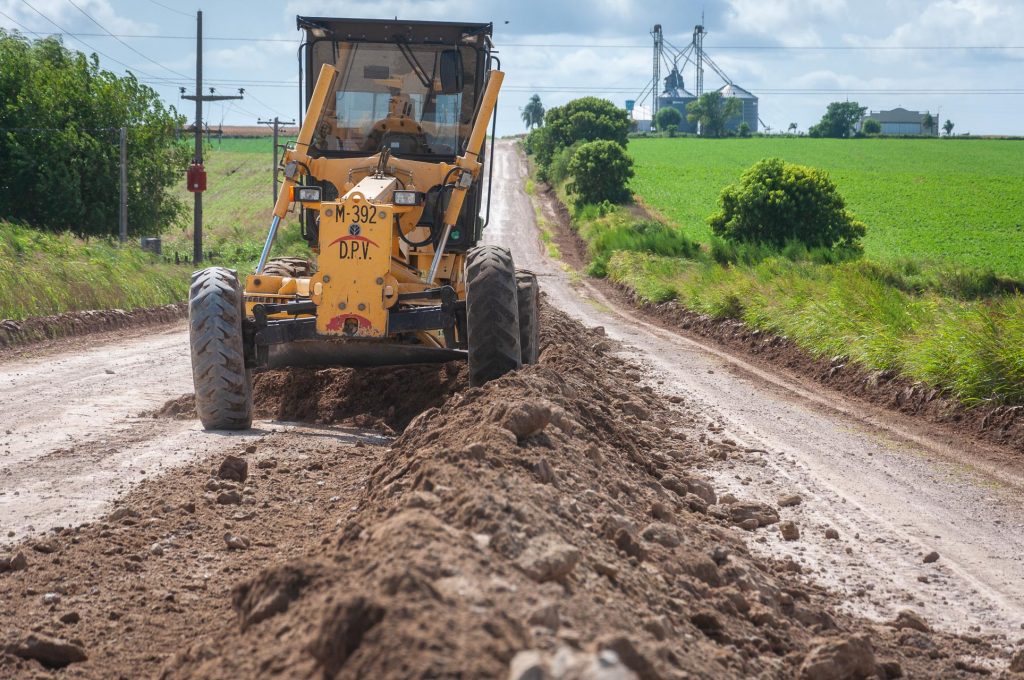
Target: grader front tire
x,y
223,385
492,314
293,267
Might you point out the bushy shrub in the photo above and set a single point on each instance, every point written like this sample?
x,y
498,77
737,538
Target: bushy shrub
x,y
668,116
600,171
776,203
581,120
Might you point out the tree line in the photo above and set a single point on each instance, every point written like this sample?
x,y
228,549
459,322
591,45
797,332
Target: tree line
x,y
59,155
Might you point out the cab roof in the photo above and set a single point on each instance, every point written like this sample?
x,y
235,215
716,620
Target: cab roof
x,y
393,30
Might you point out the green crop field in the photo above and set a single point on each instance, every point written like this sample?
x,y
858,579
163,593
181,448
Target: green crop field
x,y
237,204
950,201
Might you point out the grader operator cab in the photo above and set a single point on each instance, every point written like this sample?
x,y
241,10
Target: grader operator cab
x,y
386,177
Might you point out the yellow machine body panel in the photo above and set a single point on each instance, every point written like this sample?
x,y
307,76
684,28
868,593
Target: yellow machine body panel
x,y
354,264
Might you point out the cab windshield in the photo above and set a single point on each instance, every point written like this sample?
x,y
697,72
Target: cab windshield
x,y
415,100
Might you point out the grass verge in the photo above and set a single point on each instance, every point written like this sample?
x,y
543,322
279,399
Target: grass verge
x,y
43,273
959,330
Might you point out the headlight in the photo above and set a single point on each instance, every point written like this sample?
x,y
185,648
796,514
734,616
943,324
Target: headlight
x,y
307,194
404,197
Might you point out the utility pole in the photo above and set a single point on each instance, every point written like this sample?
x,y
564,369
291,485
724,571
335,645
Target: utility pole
x,y
123,221
197,160
659,46
277,123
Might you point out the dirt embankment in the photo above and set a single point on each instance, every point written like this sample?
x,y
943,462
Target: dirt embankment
x,y
555,520
71,324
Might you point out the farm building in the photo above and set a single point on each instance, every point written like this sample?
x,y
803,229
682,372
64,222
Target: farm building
x,y
676,96
900,121
749,113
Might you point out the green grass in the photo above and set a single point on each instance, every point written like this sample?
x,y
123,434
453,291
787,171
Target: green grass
x,y
237,206
945,201
43,273
973,350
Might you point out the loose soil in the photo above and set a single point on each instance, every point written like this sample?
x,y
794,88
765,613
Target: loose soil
x,y
555,519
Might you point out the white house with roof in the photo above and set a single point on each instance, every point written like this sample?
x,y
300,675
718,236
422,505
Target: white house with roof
x,y
900,121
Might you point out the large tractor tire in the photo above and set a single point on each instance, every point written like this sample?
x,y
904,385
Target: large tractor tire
x,y
223,385
288,266
528,296
492,314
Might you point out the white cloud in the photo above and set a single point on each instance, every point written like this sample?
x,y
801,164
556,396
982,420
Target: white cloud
x,y
788,22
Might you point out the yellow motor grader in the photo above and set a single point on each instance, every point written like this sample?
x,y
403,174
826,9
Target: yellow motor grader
x,y
386,178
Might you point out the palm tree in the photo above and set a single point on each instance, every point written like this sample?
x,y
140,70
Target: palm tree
x,y
792,128
948,127
533,113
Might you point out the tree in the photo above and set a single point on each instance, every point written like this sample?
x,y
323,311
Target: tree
x,y
948,127
792,128
776,203
871,127
533,113
59,156
838,120
581,120
744,129
928,124
711,111
600,171
668,115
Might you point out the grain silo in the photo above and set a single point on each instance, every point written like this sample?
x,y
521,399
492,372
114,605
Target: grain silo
x,y
676,96
749,112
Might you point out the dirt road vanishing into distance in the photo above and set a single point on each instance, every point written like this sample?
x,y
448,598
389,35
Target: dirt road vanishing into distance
x,y
877,493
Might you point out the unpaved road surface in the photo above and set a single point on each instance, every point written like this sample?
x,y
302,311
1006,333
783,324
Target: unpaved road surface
x,y
893,493
475,535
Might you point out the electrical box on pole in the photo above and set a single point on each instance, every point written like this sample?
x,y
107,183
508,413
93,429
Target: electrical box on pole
x,y
196,173
277,123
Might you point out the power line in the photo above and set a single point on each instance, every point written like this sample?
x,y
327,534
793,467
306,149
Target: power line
x,y
65,32
15,21
147,58
171,9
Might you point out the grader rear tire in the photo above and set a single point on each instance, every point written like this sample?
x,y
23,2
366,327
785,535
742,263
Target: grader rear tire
x,y
223,385
492,314
528,296
288,266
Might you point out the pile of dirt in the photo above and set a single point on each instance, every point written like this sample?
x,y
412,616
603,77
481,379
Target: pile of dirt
x,y
385,398
551,523
69,324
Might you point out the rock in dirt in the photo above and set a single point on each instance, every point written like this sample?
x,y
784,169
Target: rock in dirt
x,y
831,534
229,497
46,546
662,534
546,616
529,664
605,665
631,657
267,464
850,658
548,558
234,542
789,530
790,500
19,562
908,618
233,468
50,651
743,512
931,557
527,419
70,618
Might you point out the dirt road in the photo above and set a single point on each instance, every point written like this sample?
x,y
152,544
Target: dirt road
x,y
893,492
72,440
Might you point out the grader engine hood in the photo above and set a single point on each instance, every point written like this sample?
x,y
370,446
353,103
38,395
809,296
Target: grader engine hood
x,y
354,262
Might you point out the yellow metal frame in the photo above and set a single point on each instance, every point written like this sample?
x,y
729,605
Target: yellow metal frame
x,y
362,263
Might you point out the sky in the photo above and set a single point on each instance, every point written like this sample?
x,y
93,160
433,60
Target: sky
x,y
962,60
